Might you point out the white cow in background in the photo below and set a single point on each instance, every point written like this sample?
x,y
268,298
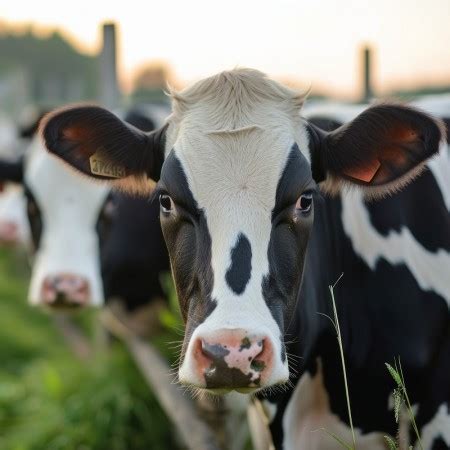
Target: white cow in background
x,y
14,229
68,220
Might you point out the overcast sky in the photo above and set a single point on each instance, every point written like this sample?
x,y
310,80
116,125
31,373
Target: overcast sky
x,y
314,41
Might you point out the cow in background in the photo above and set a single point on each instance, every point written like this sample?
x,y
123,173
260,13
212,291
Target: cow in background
x,y
14,228
85,249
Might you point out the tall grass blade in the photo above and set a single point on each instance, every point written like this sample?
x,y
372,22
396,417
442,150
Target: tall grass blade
x,y
341,351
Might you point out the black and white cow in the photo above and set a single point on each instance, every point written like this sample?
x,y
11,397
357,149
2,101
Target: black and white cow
x,y
253,247
393,302
89,244
14,229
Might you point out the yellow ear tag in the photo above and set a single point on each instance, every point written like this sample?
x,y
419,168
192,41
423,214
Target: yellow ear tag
x,y
104,168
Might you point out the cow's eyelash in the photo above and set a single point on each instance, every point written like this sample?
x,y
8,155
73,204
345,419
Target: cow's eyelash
x,y
159,190
313,191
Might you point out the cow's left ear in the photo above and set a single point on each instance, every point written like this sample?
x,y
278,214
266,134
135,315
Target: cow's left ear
x,y
380,151
100,145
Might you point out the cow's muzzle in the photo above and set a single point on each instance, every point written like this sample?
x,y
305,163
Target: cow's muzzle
x,y
65,291
231,359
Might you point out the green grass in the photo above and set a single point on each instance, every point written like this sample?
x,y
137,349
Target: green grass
x,y
51,401
401,401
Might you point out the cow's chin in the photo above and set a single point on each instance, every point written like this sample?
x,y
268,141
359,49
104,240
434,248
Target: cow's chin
x,y
252,390
225,391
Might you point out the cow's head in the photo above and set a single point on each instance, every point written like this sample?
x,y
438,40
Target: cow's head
x,y
237,170
69,219
65,214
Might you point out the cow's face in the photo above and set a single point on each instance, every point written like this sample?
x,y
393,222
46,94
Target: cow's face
x,y
236,226
237,176
63,212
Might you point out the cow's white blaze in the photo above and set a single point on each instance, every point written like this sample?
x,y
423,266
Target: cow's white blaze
x,y
70,207
233,163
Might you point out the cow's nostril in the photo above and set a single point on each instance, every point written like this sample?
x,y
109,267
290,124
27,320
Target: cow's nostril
x,y
214,352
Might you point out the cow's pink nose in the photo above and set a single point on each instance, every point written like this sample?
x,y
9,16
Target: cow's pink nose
x,y
233,359
9,233
65,290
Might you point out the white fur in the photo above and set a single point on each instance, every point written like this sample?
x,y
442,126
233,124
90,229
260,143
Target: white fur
x,y
10,145
13,210
233,134
439,426
341,112
439,105
12,203
440,167
308,420
70,206
431,270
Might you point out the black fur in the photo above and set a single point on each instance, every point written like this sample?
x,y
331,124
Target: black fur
x,y
189,244
11,171
239,272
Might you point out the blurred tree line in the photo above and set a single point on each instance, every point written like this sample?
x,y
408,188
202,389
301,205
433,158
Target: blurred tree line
x,y
49,71
44,71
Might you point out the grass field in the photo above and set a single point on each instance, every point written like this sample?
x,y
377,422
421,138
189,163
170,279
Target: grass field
x,y
51,401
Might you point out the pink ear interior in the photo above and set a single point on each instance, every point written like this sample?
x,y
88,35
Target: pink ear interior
x,y
366,173
82,136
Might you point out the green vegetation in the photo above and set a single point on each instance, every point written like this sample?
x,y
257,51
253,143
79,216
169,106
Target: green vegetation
x,y
401,400
335,322
51,401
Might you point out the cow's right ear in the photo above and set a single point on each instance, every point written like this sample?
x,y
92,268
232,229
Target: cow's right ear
x,y
100,145
378,152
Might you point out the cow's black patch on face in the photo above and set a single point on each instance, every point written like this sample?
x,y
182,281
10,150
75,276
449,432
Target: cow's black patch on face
x,y
105,220
288,241
174,182
34,217
283,349
238,274
189,243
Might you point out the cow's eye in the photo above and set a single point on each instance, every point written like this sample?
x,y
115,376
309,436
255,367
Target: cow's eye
x,y
166,203
304,203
